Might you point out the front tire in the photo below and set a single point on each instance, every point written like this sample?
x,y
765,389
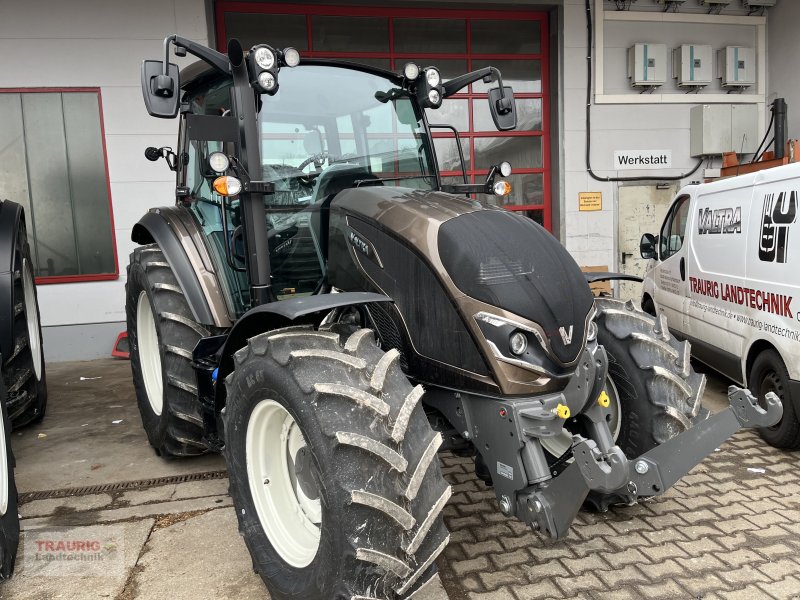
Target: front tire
x,y
332,466
769,374
163,334
659,392
9,519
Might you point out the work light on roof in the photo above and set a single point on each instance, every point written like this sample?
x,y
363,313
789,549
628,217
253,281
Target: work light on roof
x,y
411,71
432,76
266,80
291,57
264,57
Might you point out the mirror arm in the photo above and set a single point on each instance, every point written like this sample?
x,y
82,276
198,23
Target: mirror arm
x,y
212,57
456,84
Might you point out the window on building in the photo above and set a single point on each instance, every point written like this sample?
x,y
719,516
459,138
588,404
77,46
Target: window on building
x,y
53,163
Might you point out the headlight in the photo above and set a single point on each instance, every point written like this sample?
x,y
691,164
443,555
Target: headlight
x,y
218,162
434,97
432,77
502,188
411,71
227,186
265,58
591,332
291,57
518,343
505,168
266,80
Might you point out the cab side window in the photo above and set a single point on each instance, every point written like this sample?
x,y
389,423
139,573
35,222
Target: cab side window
x,y
674,229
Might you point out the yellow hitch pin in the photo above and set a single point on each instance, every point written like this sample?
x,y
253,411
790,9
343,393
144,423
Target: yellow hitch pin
x,y
562,411
604,400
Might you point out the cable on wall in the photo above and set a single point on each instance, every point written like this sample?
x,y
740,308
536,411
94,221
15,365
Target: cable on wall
x,y
589,56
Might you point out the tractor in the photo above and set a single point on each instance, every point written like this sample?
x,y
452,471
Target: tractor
x,y
326,311
23,386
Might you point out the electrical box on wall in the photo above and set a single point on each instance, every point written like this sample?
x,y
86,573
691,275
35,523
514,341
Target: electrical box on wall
x,y
691,65
736,66
647,65
719,128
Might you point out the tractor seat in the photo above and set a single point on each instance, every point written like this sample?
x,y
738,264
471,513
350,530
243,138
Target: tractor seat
x,y
338,177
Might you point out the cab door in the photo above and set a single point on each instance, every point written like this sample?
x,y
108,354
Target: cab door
x,y
670,274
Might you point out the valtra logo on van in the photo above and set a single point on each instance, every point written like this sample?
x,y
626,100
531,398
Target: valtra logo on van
x,y
776,218
724,220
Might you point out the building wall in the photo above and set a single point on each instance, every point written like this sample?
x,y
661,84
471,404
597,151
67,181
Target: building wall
x,y
95,43
783,22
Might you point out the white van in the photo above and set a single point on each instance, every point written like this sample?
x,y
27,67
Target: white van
x,y
725,270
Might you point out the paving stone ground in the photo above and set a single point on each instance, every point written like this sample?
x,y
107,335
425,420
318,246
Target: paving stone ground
x,y
724,531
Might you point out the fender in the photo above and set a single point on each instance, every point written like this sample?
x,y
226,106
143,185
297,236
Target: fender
x,y
11,215
264,318
178,237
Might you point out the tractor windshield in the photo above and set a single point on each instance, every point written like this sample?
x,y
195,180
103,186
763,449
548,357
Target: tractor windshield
x,y
327,129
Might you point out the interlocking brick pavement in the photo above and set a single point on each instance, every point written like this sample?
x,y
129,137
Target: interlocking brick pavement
x,y
721,532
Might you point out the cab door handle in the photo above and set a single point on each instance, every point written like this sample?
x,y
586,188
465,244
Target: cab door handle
x,y
683,269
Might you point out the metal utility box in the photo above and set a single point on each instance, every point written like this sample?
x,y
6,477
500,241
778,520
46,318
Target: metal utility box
x,y
736,66
647,65
719,128
691,65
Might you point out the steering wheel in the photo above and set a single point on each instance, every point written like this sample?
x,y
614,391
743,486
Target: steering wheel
x,y
315,158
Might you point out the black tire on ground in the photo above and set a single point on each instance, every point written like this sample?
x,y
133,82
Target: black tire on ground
x,y
659,391
177,429
9,519
769,374
24,368
374,461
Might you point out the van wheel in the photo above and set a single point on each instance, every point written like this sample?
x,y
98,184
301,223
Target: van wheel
x,y
9,519
769,374
333,467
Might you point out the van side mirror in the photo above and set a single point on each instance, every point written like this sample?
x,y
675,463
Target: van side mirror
x,y
161,91
503,108
647,246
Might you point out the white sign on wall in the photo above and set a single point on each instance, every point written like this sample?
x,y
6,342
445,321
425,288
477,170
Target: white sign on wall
x,y
642,159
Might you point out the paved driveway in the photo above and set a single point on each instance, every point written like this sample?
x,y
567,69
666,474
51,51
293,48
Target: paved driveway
x,y
727,530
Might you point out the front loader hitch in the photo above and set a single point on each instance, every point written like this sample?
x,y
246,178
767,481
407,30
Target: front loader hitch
x,y
552,506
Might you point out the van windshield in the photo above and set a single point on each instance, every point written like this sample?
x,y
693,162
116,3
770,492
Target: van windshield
x,y
325,130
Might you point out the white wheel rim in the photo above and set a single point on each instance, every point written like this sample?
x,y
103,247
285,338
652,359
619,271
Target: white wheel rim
x,y
559,444
149,354
290,519
32,318
3,467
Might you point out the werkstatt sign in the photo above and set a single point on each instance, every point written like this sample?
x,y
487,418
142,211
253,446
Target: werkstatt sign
x,y
590,201
642,159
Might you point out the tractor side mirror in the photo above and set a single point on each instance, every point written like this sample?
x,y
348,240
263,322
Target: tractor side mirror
x,y
647,246
160,90
503,108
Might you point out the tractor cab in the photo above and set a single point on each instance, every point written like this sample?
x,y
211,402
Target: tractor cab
x,y
316,128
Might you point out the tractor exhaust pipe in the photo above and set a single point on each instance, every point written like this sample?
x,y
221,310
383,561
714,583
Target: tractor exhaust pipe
x,y
779,113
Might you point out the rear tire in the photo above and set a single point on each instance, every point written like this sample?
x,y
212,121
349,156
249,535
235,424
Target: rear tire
x,y
371,461
659,392
163,334
9,518
24,368
769,374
